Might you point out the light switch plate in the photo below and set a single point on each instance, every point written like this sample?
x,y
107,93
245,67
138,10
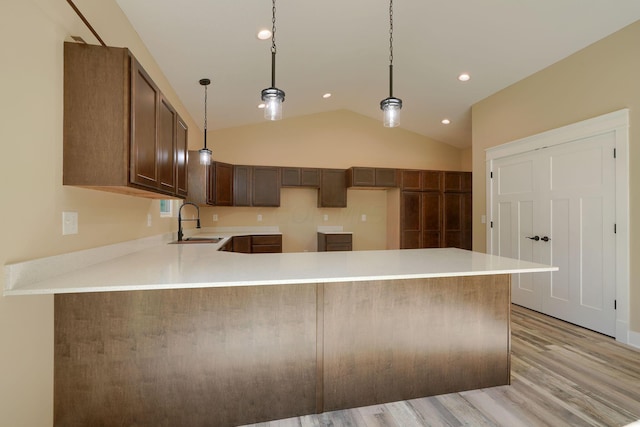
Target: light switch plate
x,y
69,223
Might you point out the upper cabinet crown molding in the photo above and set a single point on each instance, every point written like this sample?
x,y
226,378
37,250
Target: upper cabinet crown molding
x,y
120,132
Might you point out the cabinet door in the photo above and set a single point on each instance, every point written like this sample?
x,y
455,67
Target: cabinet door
x,y
242,244
310,177
241,185
431,180
333,188
410,204
291,177
182,147
220,184
411,180
300,177
431,224
386,177
457,220
144,99
361,177
265,189
457,181
167,121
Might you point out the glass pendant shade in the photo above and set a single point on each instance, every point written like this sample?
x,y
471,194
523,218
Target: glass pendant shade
x,y
205,156
273,98
391,111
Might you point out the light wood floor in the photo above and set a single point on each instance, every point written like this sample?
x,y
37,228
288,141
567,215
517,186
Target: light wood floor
x,y
561,375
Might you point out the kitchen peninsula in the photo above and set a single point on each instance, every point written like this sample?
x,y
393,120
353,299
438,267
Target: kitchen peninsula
x,y
189,335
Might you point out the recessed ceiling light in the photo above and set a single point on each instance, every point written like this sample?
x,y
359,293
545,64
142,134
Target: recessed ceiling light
x,y
445,121
261,105
264,34
464,77
326,95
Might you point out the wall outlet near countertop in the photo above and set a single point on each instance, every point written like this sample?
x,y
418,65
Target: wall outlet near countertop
x,y
215,217
69,223
149,220
363,217
325,217
259,217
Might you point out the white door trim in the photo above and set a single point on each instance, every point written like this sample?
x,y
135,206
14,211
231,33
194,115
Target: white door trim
x,y
617,122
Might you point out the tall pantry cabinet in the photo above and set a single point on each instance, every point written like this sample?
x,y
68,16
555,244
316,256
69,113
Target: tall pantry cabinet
x,y
435,209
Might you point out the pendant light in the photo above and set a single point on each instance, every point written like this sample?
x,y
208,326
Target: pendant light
x,y
391,106
205,153
272,96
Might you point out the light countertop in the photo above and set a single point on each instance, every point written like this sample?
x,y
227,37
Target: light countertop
x,y
154,264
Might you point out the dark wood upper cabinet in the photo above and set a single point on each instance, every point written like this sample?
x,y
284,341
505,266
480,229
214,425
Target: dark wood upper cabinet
x,y
120,133
265,186
167,146
421,180
182,147
457,181
372,177
300,177
220,184
333,188
256,186
241,185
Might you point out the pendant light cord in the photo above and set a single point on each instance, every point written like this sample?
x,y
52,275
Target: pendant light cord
x,y
390,48
273,44
205,115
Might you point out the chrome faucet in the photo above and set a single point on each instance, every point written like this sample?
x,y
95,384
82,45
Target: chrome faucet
x,y
180,234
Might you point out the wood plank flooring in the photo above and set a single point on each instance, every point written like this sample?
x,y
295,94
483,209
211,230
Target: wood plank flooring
x,y
561,375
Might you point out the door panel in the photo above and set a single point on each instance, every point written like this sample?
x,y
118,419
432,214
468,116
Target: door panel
x,y
565,193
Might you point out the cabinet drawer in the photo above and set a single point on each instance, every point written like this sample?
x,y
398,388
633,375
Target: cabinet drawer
x,y
338,247
338,238
266,249
266,240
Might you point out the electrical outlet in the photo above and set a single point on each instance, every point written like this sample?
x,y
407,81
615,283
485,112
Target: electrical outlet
x,y
325,217
215,217
69,223
259,217
483,219
363,217
149,220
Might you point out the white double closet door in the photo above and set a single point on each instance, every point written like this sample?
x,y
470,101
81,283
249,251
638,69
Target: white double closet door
x,y
557,206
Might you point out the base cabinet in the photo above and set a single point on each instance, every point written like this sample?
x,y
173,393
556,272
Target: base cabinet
x,y
248,354
328,242
255,244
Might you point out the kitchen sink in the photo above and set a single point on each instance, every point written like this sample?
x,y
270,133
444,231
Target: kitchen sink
x,y
198,240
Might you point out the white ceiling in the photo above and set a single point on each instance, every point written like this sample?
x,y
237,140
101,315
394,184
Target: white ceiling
x,y
342,47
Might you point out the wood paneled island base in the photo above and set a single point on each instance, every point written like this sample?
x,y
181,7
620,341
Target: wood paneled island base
x,y
238,355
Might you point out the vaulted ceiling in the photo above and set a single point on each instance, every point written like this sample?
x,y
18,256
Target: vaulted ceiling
x,y
342,47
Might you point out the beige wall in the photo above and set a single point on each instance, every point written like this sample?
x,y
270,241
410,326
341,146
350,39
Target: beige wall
x,y
337,139
32,34
601,78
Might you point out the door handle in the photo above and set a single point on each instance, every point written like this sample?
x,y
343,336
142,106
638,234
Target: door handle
x,y
536,238
545,239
